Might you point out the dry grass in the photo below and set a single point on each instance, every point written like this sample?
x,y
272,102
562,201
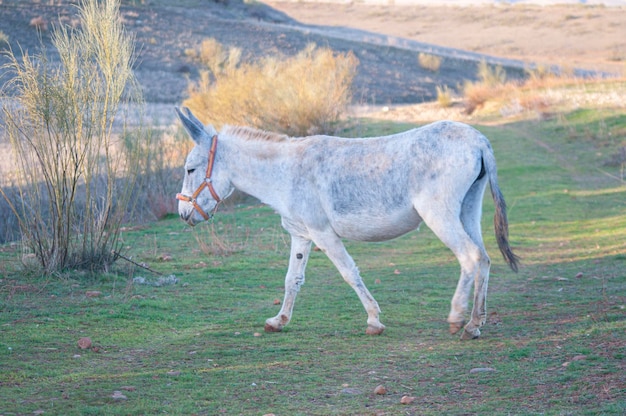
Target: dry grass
x,y
301,95
543,92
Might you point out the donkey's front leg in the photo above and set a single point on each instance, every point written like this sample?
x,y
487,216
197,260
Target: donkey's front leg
x,y
300,249
331,244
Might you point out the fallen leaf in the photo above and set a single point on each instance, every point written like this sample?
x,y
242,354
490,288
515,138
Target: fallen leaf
x,y
407,399
377,281
165,257
276,301
128,388
93,293
396,271
84,343
173,373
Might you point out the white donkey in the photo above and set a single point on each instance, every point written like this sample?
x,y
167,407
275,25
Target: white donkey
x,y
369,189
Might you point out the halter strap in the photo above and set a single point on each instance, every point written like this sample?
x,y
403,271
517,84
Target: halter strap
x,y
206,183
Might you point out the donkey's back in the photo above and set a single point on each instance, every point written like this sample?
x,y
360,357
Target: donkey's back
x,y
379,188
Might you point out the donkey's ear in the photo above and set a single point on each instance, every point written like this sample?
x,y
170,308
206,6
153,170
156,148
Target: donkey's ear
x,y
194,127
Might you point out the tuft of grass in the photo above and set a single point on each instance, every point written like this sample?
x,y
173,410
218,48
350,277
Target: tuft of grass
x,y
444,96
429,61
301,95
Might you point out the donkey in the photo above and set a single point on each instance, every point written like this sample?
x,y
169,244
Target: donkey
x,y
367,189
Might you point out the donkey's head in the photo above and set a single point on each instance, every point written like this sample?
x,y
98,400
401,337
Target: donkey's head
x,y
205,184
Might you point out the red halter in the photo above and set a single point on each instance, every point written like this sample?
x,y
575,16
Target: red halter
x,y
206,183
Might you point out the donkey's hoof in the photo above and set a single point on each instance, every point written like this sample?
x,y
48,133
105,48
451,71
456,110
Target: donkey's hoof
x,y
470,334
271,328
375,329
456,327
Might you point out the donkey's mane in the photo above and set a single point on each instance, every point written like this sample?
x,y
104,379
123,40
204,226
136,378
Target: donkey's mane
x,y
252,134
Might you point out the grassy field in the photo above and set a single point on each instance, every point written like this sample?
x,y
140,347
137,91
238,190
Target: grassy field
x,y
554,343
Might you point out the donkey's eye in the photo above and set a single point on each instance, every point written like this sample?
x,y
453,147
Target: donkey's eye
x,y
190,171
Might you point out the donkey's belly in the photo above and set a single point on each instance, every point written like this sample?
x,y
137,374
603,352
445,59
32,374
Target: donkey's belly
x,y
364,227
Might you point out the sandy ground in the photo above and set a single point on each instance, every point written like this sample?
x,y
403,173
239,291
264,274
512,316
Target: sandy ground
x,y
571,35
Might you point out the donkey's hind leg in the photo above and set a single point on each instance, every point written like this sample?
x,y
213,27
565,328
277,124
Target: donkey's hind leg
x,y
300,249
471,213
474,262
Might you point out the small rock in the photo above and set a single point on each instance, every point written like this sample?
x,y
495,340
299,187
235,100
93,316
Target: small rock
x,y
481,370
117,395
258,334
579,275
173,373
84,343
93,293
407,399
579,358
377,281
351,390
381,390
128,388
276,301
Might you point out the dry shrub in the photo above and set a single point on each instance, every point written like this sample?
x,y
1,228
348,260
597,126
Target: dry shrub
x,y
74,185
39,23
477,94
429,62
491,84
301,95
492,76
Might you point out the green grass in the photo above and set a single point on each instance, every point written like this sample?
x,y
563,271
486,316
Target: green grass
x,y
555,336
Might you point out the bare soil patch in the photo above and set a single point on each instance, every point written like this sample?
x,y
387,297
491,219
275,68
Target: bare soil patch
x,y
570,35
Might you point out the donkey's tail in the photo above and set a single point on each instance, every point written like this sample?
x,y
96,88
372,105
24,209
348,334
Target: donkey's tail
x,y
500,221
